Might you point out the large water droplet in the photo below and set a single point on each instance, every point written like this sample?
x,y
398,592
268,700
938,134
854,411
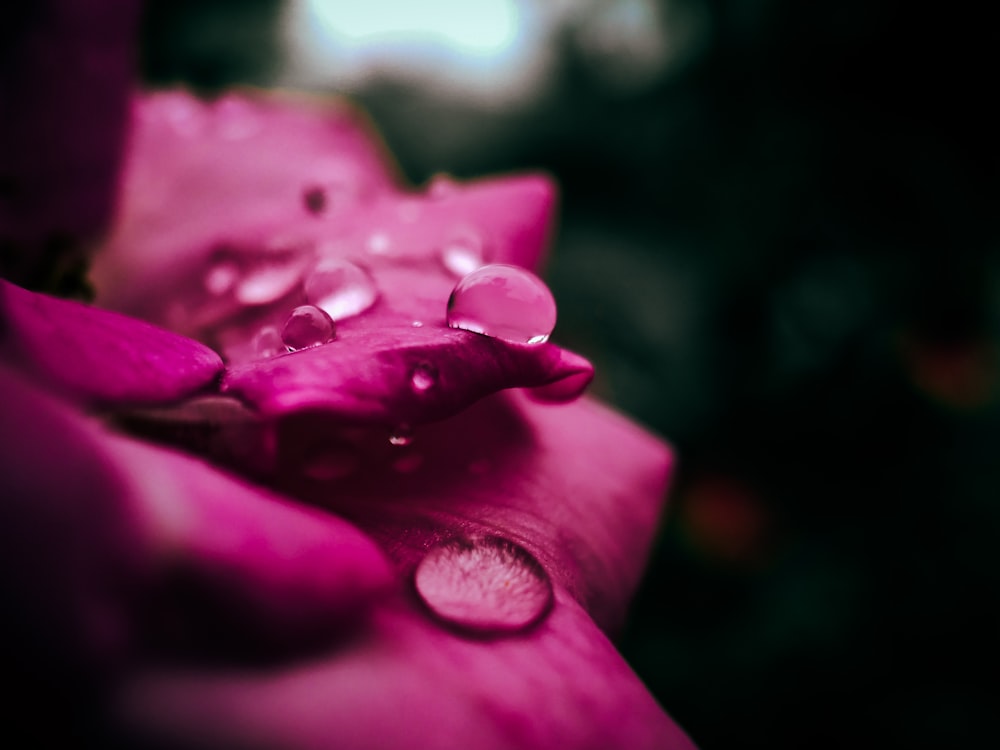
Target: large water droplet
x,y
424,377
307,326
487,585
503,301
340,288
268,279
462,253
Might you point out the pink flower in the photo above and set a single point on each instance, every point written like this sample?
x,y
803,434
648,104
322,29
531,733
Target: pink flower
x,y
367,541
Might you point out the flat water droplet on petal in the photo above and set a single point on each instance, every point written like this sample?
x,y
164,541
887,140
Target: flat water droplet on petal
x,y
506,302
486,585
268,279
417,324
462,253
424,377
401,436
221,277
267,343
340,288
379,243
306,327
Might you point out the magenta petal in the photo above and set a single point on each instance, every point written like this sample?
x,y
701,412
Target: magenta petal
x,y
373,375
578,486
99,356
200,174
411,684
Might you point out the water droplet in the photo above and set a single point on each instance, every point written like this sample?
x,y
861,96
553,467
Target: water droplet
x,y
267,343
340,288
424,377
462,253
379,243
487,585
269,279
221,277
441,186
417,324
401,436
503,301
327,462
314,199
307,326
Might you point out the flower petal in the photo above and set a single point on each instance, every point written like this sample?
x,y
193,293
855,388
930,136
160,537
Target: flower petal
x,y
578,486
201,174
99,356
410,684
127,545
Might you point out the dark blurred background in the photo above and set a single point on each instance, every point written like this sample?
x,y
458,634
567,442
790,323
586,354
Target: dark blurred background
x,y
779,245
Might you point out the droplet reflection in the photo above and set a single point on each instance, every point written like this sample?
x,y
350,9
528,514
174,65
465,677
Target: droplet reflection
x,y
487,585
505,302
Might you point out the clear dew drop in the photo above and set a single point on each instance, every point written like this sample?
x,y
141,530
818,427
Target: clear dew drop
x,y
506,302
417,324
306,327
267,343
402,436
340,288
221,277
268,279
462,253
378,243
486,585
424,377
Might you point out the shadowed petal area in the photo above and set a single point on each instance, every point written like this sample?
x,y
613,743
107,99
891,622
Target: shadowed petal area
x,y
99,356
111,546
578,486
374,374
562,686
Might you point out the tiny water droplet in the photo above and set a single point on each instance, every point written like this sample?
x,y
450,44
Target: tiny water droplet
x,y
314,199
441,186
267,343
306,327
401,436
379,243
327,462
424,377
487,585
506,302
462,253
417,324
340,288
268,279
221,277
